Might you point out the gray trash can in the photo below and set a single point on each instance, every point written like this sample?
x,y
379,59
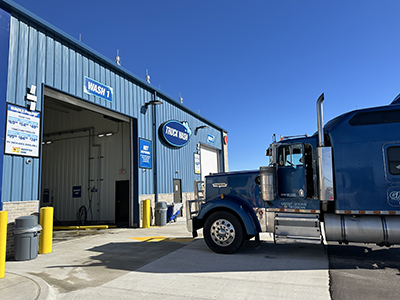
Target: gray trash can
x,y
161,213
26,238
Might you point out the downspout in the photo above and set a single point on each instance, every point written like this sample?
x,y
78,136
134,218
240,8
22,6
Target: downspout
x,y
155,151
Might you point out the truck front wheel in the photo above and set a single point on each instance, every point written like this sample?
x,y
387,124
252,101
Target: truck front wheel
x,y
223,232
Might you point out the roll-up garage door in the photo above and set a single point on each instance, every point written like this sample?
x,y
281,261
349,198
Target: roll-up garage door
x,y
209,161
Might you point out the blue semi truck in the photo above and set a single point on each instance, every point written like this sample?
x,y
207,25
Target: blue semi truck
x,y
342,183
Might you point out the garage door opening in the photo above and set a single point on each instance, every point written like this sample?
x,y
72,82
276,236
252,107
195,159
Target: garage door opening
x,y
86,154
209,161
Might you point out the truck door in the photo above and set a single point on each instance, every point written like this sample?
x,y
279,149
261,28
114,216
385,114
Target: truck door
x,y
291,172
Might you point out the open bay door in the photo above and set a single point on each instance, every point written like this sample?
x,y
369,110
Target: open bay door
x,y
88,174
209,161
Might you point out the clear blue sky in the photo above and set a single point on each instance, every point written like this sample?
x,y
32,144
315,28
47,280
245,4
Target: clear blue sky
x,y
254,67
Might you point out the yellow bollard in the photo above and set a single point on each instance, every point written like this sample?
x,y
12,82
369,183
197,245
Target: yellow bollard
x,y
3,242
46,237
146,213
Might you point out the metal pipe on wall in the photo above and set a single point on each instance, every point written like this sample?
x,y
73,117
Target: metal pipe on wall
x,y
98,175
155,151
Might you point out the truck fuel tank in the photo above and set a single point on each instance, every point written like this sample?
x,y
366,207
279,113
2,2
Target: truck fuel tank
x,y
382,230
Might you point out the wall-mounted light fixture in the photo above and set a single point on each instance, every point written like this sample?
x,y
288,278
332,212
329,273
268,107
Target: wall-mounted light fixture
x,y
200,127
153,102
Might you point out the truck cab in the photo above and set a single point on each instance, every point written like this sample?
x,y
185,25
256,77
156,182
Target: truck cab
x,y
346,176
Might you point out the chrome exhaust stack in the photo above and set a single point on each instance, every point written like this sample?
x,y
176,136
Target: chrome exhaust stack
x,y
320,119
324,160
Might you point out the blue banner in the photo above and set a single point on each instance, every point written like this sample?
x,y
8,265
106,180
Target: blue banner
x,y
145,154
92,87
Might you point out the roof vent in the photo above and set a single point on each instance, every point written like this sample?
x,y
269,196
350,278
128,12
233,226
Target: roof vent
x,y
118,58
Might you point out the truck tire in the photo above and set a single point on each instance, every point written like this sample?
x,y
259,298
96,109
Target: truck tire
x,y
223,232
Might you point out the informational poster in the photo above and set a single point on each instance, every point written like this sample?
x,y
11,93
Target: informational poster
x,y
22,131
196,163
145,154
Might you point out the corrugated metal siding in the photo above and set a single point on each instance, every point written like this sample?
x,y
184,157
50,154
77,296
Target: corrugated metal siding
x,y
37,57
171,159
20,180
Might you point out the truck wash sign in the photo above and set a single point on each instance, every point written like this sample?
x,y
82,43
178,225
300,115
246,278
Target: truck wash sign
x,y
92,87
22,131
175,133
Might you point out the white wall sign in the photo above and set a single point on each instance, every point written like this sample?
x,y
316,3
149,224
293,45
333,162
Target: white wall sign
x,y
22,131
197,163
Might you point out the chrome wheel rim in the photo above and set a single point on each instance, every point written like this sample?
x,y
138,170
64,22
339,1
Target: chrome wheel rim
x,y
222,232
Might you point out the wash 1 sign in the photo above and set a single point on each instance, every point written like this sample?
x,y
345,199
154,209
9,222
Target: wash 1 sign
x,y
92,87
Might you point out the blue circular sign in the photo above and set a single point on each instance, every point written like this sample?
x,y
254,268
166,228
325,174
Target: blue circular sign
x,y
175,133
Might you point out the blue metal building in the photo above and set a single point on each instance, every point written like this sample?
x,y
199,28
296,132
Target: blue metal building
x,y
80,131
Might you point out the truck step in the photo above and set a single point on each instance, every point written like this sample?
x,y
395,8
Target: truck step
x,y
293,227
296,239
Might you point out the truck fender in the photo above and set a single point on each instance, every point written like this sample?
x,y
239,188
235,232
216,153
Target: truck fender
x,y
234,204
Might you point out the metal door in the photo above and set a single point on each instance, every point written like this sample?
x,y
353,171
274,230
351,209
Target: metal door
x,y
291,172
178,193
122,202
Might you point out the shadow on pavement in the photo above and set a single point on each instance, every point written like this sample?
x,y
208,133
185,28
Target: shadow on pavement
x,y
364,256
367,272
197,258
127,256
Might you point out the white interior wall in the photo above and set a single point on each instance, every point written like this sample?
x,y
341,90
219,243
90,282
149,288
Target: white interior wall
x,y
72,156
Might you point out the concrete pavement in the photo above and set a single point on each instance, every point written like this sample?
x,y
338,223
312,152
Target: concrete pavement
x,y
165,263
